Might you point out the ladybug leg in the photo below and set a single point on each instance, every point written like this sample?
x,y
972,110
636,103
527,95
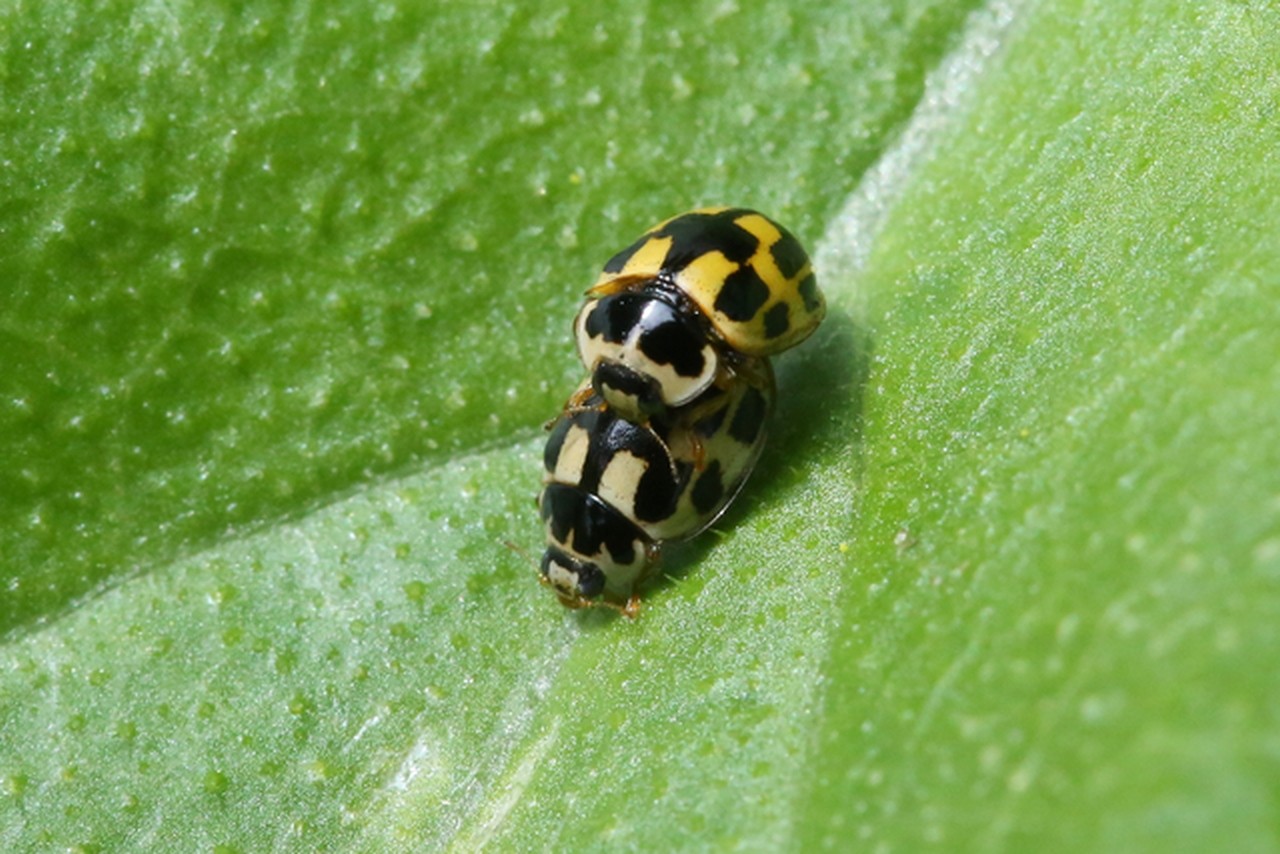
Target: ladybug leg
x,y
572,603
693,442
632,609
756,371
698,452
688,445
577,401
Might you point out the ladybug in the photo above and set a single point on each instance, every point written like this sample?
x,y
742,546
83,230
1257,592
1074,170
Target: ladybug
x,y
614,490
689,303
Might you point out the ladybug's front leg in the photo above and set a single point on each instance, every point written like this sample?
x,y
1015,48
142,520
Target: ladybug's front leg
x,y
577,401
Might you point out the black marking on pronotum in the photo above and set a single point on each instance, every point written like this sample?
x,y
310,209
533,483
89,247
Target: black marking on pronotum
x,y
668,335
749,418
777,320
595,525
709,489
614,316
671,340
741,295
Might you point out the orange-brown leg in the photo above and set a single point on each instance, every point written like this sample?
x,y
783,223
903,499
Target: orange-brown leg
x,y
577,401
632,609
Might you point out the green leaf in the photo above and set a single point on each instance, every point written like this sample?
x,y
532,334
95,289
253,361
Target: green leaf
x,y
286,295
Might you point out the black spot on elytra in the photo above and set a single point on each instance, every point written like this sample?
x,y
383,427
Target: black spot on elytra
x,y
609,434
694,235
789,254
742,295
709,489
555,442
809,292
710,425
617,262
558,509
657,492
594,422
777,320
749,418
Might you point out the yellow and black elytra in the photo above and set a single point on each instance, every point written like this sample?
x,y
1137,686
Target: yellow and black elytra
x,y
680,307
615,490
655,444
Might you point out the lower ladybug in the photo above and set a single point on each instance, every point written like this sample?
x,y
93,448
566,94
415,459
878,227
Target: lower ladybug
x,y
615,490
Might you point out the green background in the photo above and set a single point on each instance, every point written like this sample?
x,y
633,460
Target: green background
x,y
284,302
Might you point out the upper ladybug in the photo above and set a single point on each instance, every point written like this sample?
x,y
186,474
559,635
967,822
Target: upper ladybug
x,y
674,311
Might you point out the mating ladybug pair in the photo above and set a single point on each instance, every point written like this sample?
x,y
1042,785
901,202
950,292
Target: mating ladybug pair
x,y
676,334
